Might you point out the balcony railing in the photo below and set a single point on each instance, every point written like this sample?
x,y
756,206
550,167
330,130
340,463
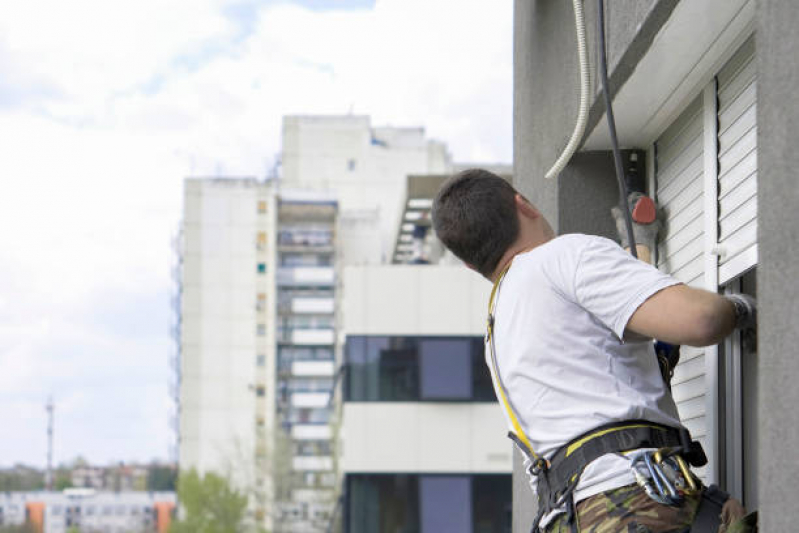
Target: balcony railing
x,y
306,276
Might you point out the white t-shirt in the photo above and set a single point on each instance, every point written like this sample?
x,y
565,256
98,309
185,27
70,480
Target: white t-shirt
x,y
560,316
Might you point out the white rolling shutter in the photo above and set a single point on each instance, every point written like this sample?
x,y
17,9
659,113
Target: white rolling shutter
x,y
737,145
679,171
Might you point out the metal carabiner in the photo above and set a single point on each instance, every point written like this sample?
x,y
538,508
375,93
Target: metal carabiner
x,y
643,481
690,481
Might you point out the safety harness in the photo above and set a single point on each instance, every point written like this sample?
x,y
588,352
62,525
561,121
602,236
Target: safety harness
x,y
558,476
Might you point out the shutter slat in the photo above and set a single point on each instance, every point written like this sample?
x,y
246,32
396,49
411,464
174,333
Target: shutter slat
x,y
679,170
737,96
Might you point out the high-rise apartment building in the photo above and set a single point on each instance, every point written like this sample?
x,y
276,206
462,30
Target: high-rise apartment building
x,y
365,167
258,315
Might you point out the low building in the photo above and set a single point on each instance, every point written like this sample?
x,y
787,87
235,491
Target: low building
x,y
87,510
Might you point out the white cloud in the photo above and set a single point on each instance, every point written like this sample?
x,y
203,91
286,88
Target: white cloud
x,y
106,106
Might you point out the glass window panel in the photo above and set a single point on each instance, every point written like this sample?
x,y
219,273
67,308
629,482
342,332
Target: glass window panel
x,y
482,386
386,503
381,368
446,369
492,503
395,363
445,504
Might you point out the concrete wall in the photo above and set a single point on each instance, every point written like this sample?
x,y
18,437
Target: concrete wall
x,y
366,167
414,300
778,198
219,340
545,102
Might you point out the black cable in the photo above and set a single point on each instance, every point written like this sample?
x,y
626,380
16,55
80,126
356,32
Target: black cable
x,y
603,70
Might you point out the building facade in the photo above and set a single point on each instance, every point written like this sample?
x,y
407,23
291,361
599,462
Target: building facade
x,y
701,93
258,301
424,446
366,168
228,310
88,510
306,342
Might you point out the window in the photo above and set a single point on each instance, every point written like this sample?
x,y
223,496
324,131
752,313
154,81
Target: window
x,y
479,503
261,241
446,369
305,260
261,330
351,163
392,501
260,360
445,504
261,207
416,369
260,391
260,302
262,268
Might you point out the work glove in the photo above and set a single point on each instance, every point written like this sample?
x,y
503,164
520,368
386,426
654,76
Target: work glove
x,y
745,310
647,221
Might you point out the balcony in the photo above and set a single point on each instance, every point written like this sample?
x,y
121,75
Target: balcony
x,y
312,305
306,337
306,276
312,368
311,432
312,463
310,399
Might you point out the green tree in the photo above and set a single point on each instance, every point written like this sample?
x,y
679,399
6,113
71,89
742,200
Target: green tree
x,y
161,477
63,479
210,505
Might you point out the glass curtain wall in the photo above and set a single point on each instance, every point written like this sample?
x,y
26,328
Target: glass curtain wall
x,y
419,503
407,369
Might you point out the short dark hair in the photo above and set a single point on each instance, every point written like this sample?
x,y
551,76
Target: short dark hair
x,y
474,215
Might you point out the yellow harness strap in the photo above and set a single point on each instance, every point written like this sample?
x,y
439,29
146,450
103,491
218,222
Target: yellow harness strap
x,y
503,395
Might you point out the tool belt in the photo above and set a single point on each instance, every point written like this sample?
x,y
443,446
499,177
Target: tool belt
x,y
558,477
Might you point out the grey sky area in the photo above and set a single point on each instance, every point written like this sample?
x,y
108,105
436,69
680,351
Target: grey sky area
x,y
105,106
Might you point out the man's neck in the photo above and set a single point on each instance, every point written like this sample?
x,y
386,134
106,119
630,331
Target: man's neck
x,y
519,248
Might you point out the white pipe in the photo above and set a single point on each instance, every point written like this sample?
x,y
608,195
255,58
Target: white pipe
x,y
582,115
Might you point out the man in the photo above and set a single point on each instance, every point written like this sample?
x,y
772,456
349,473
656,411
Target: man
x,y
571,325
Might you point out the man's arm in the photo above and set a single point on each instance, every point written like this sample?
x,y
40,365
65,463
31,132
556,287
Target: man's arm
x,y
683,315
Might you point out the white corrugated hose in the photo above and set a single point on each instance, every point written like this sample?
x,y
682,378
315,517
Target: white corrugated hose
x,y
582,115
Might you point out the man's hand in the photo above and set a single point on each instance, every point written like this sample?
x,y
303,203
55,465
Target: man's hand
x,y
745,310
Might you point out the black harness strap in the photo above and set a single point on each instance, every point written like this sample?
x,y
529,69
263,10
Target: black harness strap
x,y
569,461
708,516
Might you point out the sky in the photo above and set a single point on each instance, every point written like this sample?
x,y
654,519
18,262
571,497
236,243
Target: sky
x,y
107,105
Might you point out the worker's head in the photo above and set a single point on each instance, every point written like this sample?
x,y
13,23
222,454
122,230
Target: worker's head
x,y
480,217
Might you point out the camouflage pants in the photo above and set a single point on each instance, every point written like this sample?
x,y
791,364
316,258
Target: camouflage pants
x,y
628,510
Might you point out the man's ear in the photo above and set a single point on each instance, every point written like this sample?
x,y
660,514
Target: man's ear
x,y
525,208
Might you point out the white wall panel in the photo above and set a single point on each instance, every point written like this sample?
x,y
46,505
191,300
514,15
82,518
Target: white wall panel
x,y
414,300
425,437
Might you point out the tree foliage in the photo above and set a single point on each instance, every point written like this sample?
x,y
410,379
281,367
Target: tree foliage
x,y
161,477
210,504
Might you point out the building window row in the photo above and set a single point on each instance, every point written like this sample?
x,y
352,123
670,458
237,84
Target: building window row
x,y
306,260
428,503
305,236
407,369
